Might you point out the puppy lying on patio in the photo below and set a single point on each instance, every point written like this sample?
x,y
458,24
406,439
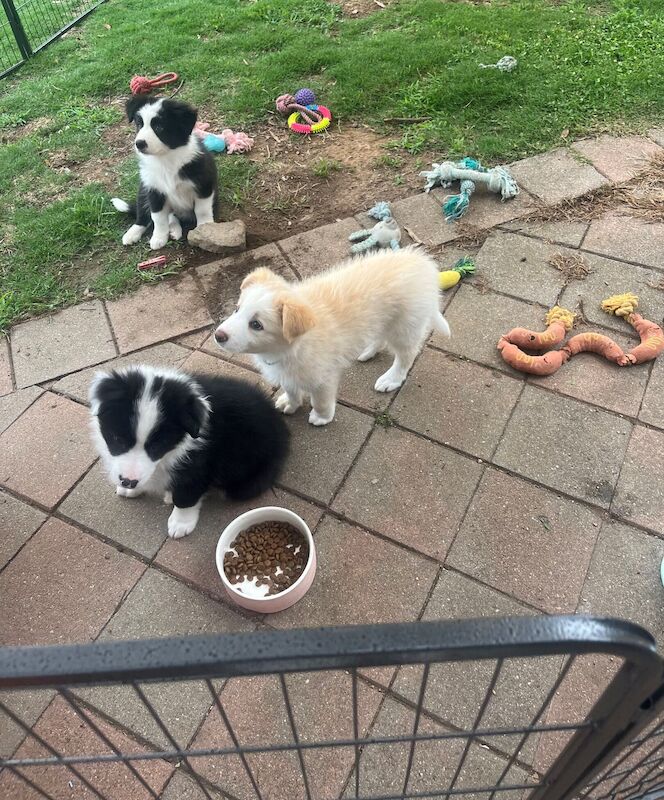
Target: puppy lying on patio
x,y
303,335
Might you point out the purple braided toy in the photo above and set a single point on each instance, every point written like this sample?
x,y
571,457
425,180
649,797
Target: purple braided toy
x,y
286,104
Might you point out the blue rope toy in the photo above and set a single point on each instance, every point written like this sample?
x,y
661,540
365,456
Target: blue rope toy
x,y
469,172
385,233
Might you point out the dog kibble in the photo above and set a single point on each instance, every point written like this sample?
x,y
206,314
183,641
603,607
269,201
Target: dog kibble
x,y
271,554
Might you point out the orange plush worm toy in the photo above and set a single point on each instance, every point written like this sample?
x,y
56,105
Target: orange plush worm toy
x,y
559,321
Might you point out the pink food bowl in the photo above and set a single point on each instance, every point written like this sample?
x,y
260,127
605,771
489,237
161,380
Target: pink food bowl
x,y
297,590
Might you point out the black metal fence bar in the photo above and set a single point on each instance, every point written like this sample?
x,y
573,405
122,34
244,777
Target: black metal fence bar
x,y
30,26
622,713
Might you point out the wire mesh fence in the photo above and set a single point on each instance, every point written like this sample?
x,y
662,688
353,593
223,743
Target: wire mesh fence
x,y
488,709
26,27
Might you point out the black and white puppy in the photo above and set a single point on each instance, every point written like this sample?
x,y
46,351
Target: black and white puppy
x,y
178,176
177,435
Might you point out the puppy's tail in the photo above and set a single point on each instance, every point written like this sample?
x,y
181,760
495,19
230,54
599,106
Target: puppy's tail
x,y
440,325
122,206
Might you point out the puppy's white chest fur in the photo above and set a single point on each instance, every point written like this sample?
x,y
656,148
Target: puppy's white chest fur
x,y
163,174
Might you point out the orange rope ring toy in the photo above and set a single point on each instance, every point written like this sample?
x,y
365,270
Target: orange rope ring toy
x,y
559,321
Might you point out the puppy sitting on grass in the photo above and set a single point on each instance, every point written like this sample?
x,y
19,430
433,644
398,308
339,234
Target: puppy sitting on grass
x,y
303,335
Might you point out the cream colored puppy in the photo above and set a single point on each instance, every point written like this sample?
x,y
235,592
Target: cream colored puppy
x,y
303,335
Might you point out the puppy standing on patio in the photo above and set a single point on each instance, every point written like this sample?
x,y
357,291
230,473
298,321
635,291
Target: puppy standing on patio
x,y
178,175
304,334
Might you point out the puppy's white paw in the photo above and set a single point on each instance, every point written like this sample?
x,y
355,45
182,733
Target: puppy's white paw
x,y
121,491
182,521
369,353
133,235
388,382
284,404
320,419
168,498
175,230
157,242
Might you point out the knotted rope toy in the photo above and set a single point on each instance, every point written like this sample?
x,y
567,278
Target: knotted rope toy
x,y
140,84
469,172
226,141
505,64
303,105
559,321
385,233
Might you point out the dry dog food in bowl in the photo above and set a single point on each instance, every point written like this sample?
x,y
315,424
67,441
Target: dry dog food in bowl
x,y
266,559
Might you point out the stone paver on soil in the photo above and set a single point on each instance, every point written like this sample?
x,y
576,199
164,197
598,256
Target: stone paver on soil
x,y
473,491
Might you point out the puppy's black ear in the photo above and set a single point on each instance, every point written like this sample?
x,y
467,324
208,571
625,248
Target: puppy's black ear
x,y
136,102
193,416
182,115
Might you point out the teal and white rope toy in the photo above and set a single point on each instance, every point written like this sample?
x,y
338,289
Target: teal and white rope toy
x,y
385,233
469,172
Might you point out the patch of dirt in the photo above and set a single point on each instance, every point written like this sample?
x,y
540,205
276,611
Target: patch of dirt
x,y
20,131
362,8
303,182
572,265
98,169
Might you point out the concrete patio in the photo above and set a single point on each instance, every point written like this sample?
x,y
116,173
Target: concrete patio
x,y
472,491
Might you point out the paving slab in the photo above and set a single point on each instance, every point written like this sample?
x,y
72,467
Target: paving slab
x,y
316,250
456,403
583,685
256,710
609,277
409,489
160,606
360,579
182,787
161,355
193,557
594,379
202,363
65,731
14,404
518,266
28,706
321,456
221,279
569,233
357,384
62,587
639,495
6,385
619,158
556,176
59,343
623,580
18,521
479,318
527,542
627,237
157,312
46,450
652,408
455,691
486,209
564,444
383,767
138,524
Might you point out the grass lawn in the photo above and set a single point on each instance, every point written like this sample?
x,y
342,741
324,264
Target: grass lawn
x,y
583,67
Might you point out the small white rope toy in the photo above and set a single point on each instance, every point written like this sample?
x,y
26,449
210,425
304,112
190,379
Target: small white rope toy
x,y
469,172
506,64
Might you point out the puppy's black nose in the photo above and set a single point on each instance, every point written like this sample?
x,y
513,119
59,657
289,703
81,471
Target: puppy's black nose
x,y
127,483
220,336
141,145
